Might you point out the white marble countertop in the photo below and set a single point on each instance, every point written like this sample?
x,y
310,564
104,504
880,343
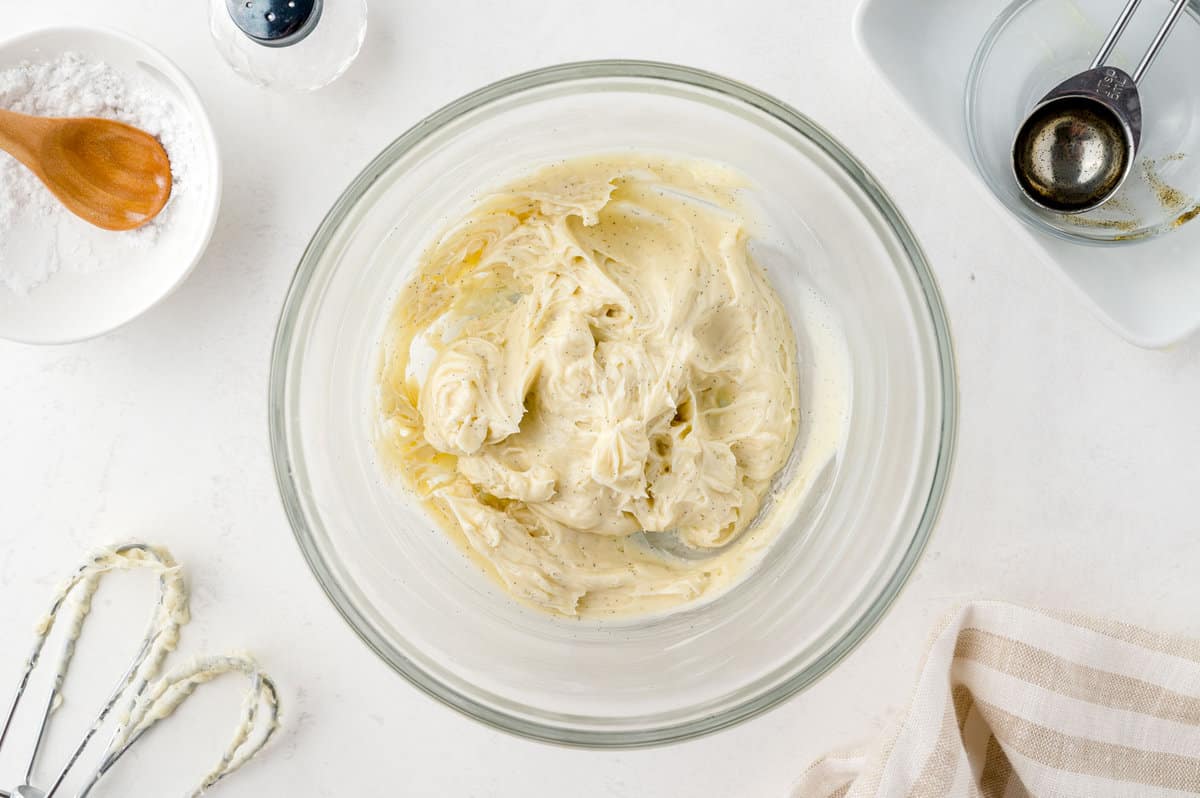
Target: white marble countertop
x,y
1075,486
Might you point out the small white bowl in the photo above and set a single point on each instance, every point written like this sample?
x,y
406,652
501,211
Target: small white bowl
x,y
74,305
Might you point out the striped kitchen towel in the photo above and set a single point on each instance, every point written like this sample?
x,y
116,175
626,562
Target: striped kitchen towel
x,y
1018,702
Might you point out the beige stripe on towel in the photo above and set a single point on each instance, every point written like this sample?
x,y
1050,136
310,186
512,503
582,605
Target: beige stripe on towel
x,y
993,779
1043,669
1051,704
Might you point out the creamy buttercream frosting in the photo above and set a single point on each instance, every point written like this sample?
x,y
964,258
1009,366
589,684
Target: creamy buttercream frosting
x,y
591,353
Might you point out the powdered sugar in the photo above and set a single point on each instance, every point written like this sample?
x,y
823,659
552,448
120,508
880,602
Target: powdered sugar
x,y
38,237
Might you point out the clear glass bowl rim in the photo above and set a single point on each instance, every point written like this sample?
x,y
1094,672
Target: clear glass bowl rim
x,y
287,328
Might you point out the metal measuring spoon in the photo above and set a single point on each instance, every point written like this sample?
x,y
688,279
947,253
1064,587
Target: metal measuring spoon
x,y
1077,146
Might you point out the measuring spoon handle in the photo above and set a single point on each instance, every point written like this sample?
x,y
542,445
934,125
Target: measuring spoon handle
x,y
1159,38
1114,35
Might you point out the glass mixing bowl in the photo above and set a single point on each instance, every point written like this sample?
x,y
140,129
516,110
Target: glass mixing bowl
x,y
1036,44
418,601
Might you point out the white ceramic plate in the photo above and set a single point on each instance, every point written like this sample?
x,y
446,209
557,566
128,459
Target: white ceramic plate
x,y
75,304
1148,292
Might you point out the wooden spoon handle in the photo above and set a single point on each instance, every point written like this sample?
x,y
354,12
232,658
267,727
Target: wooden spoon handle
x,y
21,136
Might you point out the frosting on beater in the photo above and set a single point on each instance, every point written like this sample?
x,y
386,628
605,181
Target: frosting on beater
x,y
148,698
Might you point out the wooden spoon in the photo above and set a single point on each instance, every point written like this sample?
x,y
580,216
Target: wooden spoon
x,y
108,173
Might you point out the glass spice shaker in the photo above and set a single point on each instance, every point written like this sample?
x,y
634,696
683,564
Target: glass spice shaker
x,y
298,45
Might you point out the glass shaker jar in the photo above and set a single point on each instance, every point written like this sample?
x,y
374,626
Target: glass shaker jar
x,y
298,45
